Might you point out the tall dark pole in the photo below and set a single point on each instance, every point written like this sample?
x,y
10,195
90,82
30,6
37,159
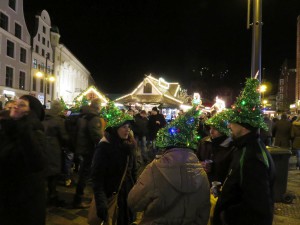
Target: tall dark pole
x,y
256,39
45,80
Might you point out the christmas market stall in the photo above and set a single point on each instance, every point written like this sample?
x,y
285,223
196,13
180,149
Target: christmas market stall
x,y
153,92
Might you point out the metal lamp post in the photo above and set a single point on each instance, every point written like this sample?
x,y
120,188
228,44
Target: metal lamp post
x,y
46,78
256,37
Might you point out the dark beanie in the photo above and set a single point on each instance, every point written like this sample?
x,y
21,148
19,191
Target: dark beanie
x,y
248,126
35,106
155,109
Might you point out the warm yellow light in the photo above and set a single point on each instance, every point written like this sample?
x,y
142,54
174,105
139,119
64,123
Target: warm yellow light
x,y
39,74
263,88
265,101
51,78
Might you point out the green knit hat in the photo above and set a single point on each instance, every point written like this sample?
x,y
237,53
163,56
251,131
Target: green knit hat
x,y
181,132
114,116
247,108
220,122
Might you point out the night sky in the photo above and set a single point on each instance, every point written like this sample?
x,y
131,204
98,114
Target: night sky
x,y
121,41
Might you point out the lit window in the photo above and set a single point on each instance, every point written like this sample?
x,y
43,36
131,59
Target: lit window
x,y
148,88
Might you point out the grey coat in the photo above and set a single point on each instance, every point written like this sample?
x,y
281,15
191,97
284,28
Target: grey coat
x,y
56,138
172,190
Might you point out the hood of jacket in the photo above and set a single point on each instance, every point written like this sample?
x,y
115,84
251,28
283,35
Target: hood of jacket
x,y
182,170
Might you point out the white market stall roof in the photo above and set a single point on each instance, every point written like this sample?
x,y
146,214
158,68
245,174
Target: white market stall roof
x,y
92,90
152,90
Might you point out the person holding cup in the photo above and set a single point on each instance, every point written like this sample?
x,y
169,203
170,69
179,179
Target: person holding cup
x,y
215,150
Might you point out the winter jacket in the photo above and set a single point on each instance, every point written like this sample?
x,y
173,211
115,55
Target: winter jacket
x,y
22,164
219,150
56,139
247,193
108,166
282,130
140,126
89,133
153,126
172,190
295,134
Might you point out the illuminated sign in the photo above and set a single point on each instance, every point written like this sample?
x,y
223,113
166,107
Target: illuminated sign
x,y
162,83
9,92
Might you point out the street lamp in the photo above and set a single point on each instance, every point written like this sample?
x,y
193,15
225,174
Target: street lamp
x,y
46,78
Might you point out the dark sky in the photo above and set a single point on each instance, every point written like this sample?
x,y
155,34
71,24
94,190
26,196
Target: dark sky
x,y
120,41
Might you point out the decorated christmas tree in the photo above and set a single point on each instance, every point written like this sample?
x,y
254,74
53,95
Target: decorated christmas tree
x,y
62,102
181,132
113,115
220,122
247,108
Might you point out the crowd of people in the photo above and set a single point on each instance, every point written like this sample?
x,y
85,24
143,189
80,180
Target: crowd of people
x,y
196,169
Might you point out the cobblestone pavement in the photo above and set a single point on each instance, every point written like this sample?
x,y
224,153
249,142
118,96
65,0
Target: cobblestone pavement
x,y
285,214
289,214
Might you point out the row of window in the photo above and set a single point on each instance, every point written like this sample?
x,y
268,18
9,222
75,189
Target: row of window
x,y
4,24
10,51
9,81
43,40
37,50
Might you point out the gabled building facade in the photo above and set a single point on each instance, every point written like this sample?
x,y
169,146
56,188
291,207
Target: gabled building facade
x,y
42,60
24,55
71,75
15,51
153,91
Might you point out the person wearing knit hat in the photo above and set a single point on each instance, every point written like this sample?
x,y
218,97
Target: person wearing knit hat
x,y
35,106
57,139
90,130
215,151
115,150
251,174
174,188
22,164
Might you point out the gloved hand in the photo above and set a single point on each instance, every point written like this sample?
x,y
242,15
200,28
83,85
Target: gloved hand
x,y
102,213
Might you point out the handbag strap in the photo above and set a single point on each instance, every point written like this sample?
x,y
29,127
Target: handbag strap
x,y
124,174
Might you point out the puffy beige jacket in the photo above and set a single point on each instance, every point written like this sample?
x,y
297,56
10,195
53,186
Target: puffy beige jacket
x,y
173,189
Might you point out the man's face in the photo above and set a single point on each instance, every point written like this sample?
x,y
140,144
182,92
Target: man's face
x,y
236,130
214,133
20,109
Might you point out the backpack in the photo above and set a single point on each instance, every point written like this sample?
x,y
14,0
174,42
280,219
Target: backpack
x,y
71,126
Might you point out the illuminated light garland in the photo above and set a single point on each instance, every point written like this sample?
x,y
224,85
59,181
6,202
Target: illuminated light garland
x,y
220,122
181,132
247,108
114,116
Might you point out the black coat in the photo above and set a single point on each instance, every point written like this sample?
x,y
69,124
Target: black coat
x,y
153,126
22,164
219,150
107,170
247,193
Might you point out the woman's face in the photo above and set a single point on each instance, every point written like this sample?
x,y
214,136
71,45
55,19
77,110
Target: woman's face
x,y
20,109
124,131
